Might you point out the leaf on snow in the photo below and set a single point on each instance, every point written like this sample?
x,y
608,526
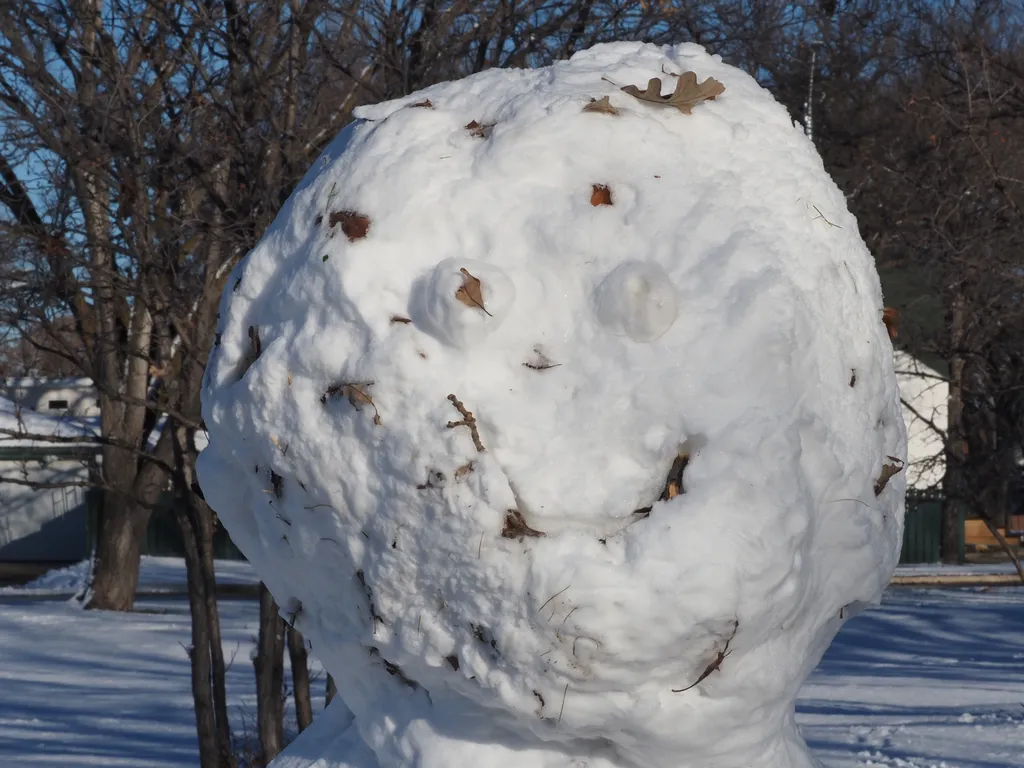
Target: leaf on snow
x,y
479,130
355,225
425,104
357,395
602,106
600,195
888,470
516,527
687,94
470,292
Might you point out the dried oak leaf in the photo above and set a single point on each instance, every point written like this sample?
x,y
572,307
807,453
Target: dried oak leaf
x,y
516,527
355,225
600,195
479,130
602,106
687,94
357,395
425,104
891,318
888,470
470,292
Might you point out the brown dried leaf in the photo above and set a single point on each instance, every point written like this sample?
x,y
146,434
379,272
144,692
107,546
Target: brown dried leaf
x,y
516,527
888,471
464,470
357,395
687,94
470,292
602,106
425,104
479,130
891,318
355,225
601,195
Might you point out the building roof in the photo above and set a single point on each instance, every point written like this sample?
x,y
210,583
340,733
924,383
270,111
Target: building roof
x,y
23,429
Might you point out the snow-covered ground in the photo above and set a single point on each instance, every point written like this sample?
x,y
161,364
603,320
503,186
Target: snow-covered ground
x,y
931,679
84,688
156,575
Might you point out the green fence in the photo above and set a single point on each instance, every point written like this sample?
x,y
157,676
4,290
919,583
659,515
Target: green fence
x,y
163,536
922,533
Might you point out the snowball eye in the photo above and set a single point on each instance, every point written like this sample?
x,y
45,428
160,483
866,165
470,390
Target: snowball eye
x,y
461,302
637,299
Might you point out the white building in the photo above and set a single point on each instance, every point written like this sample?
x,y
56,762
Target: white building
x,y
41,518
74,397
925,394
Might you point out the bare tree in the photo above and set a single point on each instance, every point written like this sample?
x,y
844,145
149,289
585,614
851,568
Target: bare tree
x,y
299,658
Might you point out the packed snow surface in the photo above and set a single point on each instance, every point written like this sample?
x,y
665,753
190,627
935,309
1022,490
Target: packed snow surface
x,y
562,434
926,680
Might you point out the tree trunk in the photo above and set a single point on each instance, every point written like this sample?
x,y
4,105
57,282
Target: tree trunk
x,y
955,449
300,678
220,698
207,654
121,531
269,664
199,653
123,520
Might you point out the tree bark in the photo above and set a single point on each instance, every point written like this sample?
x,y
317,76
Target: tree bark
x,y
115,577
953,485
199,653
300,679
207,653
269,665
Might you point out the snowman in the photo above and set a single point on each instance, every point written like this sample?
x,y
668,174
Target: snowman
x,y
557,411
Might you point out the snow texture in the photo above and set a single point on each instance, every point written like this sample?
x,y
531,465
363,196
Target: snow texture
x,y
463,499
926,680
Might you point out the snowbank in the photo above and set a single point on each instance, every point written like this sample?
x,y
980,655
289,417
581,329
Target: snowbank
x,y
567,430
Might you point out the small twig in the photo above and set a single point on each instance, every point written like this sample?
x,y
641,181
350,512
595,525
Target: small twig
x,y
570,613
836,501
317,506
822,217
562,708
468,420
714,665
552,598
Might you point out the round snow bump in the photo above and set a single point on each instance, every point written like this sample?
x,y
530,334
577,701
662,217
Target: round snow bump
x,y
462,301
636,299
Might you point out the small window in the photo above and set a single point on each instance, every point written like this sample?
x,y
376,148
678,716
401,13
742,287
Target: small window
x,y
58,405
